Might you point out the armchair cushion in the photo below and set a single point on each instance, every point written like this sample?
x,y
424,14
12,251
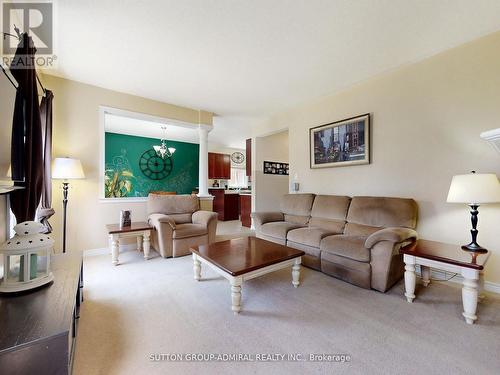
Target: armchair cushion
x,y
391,234
172,204
190,230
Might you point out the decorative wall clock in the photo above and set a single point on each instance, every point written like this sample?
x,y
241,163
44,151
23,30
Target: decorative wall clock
x,y
237,157
153,166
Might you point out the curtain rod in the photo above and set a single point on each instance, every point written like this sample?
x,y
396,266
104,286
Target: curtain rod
x,y
8,77
18,37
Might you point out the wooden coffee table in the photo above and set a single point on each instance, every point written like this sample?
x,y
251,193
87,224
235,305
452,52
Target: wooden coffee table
x,y
449,258
141,230
243,259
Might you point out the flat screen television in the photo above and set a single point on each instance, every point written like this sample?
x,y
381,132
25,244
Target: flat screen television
x,y
7,100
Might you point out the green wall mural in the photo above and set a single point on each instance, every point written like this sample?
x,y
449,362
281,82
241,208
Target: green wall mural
x,y
123,175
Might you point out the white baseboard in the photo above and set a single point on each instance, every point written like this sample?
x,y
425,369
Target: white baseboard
x,y
458,279
106,250
442,276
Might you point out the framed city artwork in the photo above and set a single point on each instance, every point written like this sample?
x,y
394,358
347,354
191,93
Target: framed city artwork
x,y
340,143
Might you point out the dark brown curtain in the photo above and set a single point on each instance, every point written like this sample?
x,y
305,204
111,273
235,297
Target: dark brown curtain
x,y
24,203
46,211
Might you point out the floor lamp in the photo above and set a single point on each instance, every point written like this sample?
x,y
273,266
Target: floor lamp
x,y
66,169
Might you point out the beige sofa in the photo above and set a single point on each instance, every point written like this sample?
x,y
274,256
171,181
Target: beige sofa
x,y
354,239
179,224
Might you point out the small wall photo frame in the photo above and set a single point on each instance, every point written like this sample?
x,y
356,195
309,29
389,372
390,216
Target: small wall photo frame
x,y
274,167
340,143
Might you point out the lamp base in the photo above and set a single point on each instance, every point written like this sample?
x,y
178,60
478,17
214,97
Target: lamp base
x,y
475,247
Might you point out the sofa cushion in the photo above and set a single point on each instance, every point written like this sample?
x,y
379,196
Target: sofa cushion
x,y
278,229
329,212
383,212
357,273
352,247
297,207
353,229
190,230
172,204
308,236
312,251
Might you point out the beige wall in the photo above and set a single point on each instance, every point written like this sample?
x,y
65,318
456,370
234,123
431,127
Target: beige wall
x,y
3,220
76,134
268,189
426,121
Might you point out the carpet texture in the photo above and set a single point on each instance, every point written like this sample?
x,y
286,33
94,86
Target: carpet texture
x,y
141,308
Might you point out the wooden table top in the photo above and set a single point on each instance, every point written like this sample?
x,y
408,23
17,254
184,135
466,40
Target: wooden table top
x,y
446,253
242,255
45,312
135,226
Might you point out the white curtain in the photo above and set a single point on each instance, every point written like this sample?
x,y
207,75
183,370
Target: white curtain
x,y
238,178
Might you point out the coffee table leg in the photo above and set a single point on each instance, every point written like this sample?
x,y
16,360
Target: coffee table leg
x,y
296,273
410,278
196,268
236,295
426,275
146,244
139,243
115,249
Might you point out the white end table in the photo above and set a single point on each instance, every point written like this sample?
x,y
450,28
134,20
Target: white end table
x,y
446,257
141,230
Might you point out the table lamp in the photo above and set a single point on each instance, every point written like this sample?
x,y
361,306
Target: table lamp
x,y
474,189
66,169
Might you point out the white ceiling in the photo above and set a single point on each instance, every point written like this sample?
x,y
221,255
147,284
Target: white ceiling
x,y
245,60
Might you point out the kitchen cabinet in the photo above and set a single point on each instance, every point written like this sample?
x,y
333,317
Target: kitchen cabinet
x,y
219,166
218,202
231,206
248,156
246,210
226,205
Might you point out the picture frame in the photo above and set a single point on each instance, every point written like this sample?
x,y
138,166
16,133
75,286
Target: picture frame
x,y
278,168
341,143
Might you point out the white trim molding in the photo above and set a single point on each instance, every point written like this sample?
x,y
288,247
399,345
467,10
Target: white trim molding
x,y
103,110
443,276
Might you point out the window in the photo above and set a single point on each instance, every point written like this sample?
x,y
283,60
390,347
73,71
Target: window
x,y
239,178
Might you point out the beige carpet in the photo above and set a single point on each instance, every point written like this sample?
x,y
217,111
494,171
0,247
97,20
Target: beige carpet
x,y
150,307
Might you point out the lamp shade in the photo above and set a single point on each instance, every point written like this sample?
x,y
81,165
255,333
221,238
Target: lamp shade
x,y
67,169
474,188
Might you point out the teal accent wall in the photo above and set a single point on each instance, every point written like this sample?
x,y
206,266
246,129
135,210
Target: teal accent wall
x,y
122,155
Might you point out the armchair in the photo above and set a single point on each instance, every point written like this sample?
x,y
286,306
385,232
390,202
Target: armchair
x,y
179,224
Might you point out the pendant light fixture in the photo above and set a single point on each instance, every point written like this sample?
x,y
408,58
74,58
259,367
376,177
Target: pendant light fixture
x,y
162,150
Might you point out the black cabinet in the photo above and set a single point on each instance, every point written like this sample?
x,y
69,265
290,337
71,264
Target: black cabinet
x,y
38,328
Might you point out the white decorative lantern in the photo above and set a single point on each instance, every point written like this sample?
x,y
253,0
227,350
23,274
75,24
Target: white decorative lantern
x,y
26,258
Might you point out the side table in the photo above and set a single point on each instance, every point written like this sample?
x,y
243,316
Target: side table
x,y
449,258
141,230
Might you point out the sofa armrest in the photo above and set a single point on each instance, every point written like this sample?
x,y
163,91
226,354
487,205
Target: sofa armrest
x,y
203,217
266,217
209,219
156,219
163,234
391,234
